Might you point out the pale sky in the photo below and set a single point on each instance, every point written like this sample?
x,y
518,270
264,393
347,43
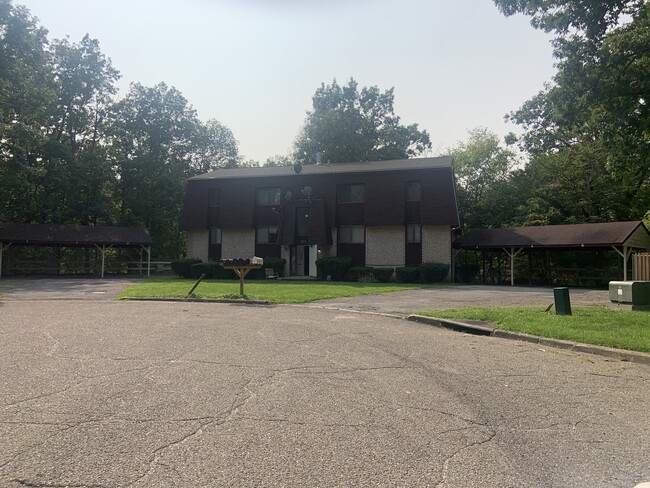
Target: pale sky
x,y
255,64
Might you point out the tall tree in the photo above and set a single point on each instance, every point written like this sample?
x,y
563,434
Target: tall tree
x,y
347,125
216,146
482,167
593,120
154,149
27,96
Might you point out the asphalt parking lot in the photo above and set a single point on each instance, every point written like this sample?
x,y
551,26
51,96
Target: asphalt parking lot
x,y
113,394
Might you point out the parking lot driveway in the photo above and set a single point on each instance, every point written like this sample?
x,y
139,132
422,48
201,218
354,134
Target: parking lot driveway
x,y
142,394
404,302
68,288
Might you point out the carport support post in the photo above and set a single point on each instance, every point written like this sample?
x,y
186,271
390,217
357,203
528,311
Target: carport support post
x,y
3,246
148,249
625,255
512,255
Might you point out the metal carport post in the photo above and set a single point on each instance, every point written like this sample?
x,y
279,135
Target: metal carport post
x,y
148,249
625,255
512,255
3,246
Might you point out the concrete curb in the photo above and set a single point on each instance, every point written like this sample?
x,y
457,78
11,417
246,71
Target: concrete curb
x,y
468,326
485,328
199,300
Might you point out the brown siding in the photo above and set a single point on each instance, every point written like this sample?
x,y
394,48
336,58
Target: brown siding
x,y
214,252
355,251
267,250
413,253
412,213
384,198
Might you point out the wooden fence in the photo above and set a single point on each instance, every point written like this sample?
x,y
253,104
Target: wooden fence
x,y
641,266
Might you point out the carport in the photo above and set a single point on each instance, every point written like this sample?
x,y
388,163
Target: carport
x,y
102,238
623,237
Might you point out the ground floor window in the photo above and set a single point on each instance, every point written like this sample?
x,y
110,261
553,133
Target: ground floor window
x,y
413,233
215,235
351,234
267,234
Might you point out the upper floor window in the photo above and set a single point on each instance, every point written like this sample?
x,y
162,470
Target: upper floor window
x,y
413,191
351,234
268,196
267,234
215,235
214,198
350,194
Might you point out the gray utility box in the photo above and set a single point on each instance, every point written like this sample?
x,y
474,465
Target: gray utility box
x,y
630,295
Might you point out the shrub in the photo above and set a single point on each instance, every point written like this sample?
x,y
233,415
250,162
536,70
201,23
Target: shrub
x,y
383,275
334,266
433,272
277,264
213,271
182,267
407,274
468,272
357,272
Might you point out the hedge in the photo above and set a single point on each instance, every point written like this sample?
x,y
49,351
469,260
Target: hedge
x,y
183,267
213,271
383,275
334,266
433,272
356,273
407,274
277,264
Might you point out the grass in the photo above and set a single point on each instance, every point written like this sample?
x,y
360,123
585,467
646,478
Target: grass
x,y
272,291
590,325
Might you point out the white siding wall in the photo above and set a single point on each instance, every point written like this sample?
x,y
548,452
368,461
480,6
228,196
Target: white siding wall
x,y
197,244
385,246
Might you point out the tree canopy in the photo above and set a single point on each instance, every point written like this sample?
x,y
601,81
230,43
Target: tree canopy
x,y
347,124
71,152
587,131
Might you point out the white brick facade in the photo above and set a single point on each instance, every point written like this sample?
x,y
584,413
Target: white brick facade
x,y
197,244
436,244
237,243
385,246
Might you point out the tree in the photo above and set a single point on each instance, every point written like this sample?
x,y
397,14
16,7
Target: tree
x,y
216,146
482,167
26,98
347,125
153,149
593,120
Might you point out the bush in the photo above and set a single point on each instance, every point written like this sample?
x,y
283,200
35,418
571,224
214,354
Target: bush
x,y
468,272
357,272
433,272
383,275
183,267
334,266
213,271
277,264
407,274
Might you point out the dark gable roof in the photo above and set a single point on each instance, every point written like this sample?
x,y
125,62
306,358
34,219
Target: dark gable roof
x,y
558,236
316,169
74,235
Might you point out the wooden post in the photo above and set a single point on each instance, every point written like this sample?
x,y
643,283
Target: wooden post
x,y
103,258
148,261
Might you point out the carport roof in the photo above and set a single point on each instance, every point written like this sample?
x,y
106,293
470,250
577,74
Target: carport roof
x,y
73,235
568,236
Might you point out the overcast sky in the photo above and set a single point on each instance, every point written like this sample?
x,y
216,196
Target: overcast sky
x,y
255,64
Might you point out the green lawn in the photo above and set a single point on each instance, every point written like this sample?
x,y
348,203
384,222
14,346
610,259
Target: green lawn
x,y
590,325
273,291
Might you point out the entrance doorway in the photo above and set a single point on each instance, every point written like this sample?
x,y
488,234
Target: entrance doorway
x,y
303,260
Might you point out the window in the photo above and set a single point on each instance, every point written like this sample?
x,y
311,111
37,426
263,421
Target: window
x,y
267,234
413,234
213,198
350,194
215,235
268,196
413,191
351,234
302,221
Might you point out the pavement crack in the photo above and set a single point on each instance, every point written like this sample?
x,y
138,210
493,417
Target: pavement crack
x,y
36,484
445,466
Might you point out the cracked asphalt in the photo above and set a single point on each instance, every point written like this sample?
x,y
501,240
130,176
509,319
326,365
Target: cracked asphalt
x,y
160,394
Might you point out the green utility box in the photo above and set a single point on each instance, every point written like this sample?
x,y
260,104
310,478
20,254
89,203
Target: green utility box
x,y
630,295
562,301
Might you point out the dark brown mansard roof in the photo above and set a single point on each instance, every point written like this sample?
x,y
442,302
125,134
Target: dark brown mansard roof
x,y
558,236
322,169
73,235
